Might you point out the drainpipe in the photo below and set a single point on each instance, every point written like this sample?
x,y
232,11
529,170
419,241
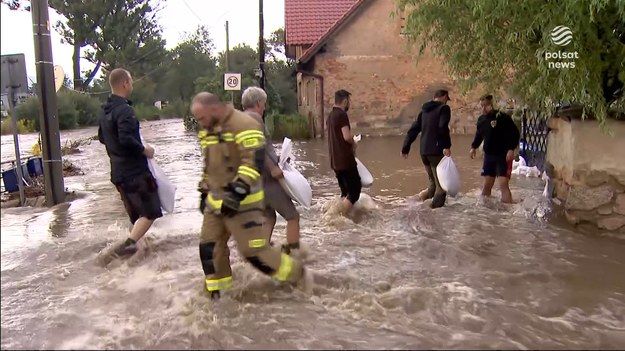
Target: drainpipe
x,y
320,77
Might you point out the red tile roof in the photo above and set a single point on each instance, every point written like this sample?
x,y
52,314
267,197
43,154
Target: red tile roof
x,y
306,21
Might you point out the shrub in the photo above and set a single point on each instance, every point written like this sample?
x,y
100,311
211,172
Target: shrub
x,y
23,126
177,109
87,107
146,112
294,126
75,110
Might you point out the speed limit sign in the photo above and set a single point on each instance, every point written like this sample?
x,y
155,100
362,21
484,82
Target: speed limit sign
x,y
232,81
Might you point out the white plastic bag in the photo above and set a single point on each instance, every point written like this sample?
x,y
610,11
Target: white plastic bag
x,y
166,189
294,183
366,179
448,176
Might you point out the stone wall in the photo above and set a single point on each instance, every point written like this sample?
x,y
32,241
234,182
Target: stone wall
x,y
589,172
369,58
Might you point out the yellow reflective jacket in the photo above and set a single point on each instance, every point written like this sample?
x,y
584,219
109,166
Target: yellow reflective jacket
x,y
233,149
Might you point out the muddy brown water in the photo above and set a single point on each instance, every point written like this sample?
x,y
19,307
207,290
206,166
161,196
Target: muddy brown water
x,y
470,275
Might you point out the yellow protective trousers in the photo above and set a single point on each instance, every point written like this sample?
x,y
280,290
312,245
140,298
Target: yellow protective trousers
x,y
245,227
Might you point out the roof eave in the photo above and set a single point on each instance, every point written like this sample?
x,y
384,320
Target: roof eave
x,y
314,49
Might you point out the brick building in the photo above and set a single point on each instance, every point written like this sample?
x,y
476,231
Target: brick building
x,y
358,46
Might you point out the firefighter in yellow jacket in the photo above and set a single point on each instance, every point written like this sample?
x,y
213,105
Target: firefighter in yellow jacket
x,y
232,196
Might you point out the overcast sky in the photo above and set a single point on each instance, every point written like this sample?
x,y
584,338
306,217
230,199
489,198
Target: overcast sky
x,y
177,17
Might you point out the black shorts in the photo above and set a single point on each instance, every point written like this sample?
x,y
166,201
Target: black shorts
x,y
140,197
496,166
350,184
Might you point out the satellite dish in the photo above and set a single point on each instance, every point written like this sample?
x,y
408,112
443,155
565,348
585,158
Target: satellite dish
x,y
59,77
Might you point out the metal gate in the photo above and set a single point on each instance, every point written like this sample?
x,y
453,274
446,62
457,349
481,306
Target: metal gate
x,y
534,133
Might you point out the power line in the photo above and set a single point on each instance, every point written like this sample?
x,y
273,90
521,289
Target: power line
x,y
193,12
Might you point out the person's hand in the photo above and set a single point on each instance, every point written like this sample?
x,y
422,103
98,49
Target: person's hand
x,y
447,152
405,156
148,151
472,153
510,155
277,173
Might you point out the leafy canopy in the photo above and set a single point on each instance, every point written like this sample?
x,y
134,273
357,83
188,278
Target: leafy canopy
x,y
501,44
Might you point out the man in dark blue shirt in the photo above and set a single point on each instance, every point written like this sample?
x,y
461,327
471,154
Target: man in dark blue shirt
x,y
501,137
119,132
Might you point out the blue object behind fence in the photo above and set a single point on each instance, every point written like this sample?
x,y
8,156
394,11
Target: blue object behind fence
x,y
35,166
9,178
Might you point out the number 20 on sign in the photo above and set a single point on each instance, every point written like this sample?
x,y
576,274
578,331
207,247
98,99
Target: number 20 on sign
x,y
232,81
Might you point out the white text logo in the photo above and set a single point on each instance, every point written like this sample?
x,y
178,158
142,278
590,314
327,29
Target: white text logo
x,y
561,36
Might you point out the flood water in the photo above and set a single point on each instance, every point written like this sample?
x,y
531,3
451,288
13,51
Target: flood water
x,y
470,275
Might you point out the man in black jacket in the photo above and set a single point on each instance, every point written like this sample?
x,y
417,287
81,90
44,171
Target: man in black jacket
x,y
433,124
119,132
501,137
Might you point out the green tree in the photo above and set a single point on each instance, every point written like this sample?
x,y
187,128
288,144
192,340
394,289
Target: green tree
x,y
110,32
502,45
192,58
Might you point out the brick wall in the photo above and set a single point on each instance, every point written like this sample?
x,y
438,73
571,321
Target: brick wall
x,y
369,58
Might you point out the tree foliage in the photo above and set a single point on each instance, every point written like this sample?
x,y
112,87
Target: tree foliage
x,y
107,33
125,33
502,44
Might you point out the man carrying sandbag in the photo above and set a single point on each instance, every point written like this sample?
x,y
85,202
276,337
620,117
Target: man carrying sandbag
x,y
433,124
501,137
119,132
254,100
342,148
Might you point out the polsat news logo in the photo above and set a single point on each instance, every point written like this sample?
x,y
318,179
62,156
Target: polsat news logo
x,y
561,36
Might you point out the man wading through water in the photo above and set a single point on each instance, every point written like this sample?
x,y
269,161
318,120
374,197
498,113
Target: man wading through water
x,y
342,151
254,100
232,197
433,124
501,137
119,132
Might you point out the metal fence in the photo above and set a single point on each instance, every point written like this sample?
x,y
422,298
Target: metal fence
x,y
534,137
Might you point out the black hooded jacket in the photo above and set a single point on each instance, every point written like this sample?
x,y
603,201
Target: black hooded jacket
x,y
119,132
433,124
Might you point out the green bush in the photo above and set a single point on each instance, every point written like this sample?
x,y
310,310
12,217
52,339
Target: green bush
x,y
75,110
146,112
177,109
87,107
23,126
294,126
68,115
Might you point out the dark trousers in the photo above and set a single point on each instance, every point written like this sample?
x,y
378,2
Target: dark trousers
x,y
435,191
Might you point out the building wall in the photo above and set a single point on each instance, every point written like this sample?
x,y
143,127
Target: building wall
x,y
369,58
589,172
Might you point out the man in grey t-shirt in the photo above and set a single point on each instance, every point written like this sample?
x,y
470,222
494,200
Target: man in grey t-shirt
x,y
254,100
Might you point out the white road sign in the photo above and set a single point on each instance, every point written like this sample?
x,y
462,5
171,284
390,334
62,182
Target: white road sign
x,y
232,81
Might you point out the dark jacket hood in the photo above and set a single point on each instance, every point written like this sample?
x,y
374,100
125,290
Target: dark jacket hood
x,y
113,101
431,105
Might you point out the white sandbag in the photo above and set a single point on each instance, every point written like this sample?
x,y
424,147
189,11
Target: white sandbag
x,y
166,189
448,176
366,179
294,183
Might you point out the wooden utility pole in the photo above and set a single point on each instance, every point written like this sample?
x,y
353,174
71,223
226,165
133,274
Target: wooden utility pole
x,y
50,135
228,57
